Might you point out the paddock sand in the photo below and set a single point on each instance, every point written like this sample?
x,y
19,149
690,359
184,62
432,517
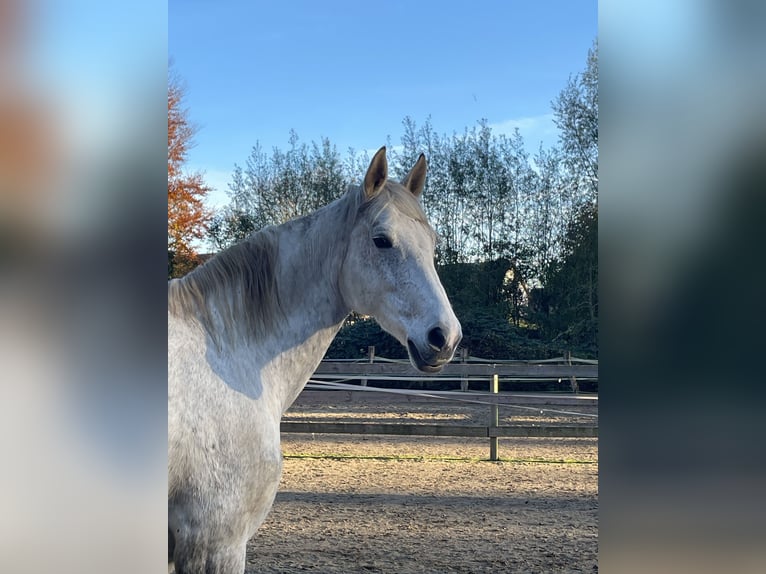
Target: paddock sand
x,y
428,504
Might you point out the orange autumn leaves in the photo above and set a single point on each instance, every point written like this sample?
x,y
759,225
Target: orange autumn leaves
x,y
187,214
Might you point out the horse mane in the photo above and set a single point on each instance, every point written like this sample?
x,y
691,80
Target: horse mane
x,y
238,284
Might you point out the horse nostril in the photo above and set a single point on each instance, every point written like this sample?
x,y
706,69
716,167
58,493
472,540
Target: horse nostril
x,y
436,339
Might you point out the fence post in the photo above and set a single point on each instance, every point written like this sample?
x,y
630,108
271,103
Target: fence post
x,y
370,359
463,359
572,378
494,388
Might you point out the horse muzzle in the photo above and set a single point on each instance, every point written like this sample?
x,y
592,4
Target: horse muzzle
x,y
435,352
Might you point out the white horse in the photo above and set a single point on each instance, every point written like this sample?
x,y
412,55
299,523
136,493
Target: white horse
x,y
248,328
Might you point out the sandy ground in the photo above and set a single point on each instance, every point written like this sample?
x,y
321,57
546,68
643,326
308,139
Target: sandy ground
x,y
428,504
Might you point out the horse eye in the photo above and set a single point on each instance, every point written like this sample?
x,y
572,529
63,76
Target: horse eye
x,y
382,242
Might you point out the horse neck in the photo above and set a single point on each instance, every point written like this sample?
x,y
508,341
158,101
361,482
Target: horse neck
x,y
311,253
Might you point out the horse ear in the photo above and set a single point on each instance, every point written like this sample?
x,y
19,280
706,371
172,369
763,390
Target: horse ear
x,y
377,174
416,179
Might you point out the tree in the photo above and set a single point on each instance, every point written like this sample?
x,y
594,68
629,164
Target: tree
x,y
567,304
271,190
576,115
571,287
229,226
187,215
546,214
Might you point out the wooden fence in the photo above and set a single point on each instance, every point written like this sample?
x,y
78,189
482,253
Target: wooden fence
x,y
456,370
565,368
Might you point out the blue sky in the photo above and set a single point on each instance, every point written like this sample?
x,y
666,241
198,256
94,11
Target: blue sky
x,y
351,70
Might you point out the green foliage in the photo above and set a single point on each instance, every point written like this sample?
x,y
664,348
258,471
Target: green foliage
x,y
475,285
229,226
570,315
488,334
181,262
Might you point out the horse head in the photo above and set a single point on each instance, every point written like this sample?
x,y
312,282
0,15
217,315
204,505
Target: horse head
x,y
388,272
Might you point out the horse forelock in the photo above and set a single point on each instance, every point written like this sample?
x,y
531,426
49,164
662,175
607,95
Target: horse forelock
x,y
397,196
236,287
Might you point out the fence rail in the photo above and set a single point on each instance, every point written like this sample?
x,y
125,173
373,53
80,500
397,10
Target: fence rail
x,y
458,370
463,370
570,431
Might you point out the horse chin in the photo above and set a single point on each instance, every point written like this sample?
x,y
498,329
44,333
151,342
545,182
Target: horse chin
x,y
430,369
420,363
